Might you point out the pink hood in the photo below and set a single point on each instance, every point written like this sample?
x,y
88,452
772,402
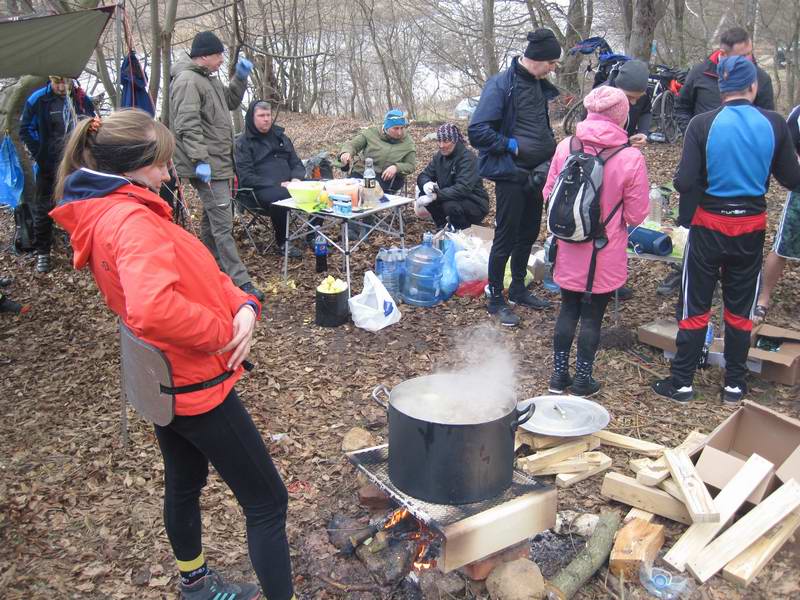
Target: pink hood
x,y
624,178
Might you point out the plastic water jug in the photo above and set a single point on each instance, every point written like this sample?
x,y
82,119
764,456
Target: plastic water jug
x,y
390,275
423,274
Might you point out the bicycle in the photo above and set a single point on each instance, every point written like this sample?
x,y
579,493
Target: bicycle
x,y
663,89
607,61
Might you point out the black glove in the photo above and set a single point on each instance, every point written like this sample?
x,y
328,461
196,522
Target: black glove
x,y
538,176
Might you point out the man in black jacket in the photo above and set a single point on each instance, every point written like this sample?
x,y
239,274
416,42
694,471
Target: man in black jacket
x,y
266,161
450,189
700,92
728,157
49,116
511,130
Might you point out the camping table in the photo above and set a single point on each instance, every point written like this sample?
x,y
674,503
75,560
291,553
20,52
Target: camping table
x,y
387,218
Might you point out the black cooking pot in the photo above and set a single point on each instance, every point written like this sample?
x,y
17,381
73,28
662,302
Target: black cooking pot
x,y
449,456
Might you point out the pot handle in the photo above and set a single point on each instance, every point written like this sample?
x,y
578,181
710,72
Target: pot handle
x,y
523,416
380,388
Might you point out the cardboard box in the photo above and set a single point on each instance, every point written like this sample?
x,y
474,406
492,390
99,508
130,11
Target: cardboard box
x,y
783,365
537,269
660,333
753,429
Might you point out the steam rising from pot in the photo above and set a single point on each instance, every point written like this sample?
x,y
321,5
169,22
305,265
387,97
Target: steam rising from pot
x,y
479,389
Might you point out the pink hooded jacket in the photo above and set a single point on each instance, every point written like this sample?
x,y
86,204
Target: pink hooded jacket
x,y
624,177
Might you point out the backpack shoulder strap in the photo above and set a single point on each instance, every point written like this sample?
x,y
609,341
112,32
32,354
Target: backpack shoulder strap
x,y
614,151
573,148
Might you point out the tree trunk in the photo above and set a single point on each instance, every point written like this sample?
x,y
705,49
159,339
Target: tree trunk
x,y
12,101
166,56
155,52
679,10
626,8
646,15
490,65
572,577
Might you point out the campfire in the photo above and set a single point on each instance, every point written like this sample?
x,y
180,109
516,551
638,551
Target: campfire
x,y
424,556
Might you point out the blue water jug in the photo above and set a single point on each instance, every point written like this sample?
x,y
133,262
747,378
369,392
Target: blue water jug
x,y
647,241
423,274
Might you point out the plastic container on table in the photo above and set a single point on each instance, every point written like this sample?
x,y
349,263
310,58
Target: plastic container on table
x,y
423,274
342,204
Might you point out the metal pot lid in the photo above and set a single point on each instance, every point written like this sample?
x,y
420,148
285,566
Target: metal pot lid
x,y
565,416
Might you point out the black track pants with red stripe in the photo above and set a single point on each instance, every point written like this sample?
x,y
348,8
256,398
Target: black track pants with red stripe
x,y
711,255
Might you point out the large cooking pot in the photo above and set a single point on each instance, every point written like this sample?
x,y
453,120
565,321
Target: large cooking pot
x,y
446,445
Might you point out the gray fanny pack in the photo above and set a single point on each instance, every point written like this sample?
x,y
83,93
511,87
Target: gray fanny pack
x,y
147,379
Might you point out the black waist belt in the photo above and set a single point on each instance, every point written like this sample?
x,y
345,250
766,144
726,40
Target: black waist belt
x,y
203,385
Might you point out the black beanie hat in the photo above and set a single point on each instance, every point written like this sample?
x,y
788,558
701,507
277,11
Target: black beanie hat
x,y
206,43
542,46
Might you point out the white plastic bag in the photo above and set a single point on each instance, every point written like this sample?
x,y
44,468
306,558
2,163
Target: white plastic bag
x,y
373,309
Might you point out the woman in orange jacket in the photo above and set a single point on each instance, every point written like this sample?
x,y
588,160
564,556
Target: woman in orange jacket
x,y
167,289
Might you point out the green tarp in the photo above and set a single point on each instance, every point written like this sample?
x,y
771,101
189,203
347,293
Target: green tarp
x,y
54,45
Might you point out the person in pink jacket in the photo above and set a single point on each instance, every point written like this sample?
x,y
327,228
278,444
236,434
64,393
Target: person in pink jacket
x,y
624,178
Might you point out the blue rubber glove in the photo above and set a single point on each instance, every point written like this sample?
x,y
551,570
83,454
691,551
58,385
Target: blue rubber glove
x,y
513,146
243,68
203,172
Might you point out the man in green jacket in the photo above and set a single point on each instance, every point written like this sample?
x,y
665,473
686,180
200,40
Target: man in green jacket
x,y
200,106
393,153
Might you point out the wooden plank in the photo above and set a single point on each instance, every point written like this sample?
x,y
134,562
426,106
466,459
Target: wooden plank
x,y
638,464
545,458
627,490
746,567
564,480
658,471
637,543
607,438
727,502
542,442
746,531
585,461
698,500
672,488
638,513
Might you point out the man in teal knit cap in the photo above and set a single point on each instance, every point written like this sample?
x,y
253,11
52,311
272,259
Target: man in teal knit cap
x,y
393,153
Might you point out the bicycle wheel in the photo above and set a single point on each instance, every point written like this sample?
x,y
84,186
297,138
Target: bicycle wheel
x,y
668,124
575,114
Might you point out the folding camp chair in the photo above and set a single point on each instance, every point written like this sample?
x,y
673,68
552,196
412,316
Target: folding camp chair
x,y
252,217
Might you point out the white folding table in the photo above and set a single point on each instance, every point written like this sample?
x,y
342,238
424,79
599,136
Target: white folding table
x,y
387,217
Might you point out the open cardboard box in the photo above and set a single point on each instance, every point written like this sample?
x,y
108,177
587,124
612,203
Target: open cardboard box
x,y
752,429
537,269
781,366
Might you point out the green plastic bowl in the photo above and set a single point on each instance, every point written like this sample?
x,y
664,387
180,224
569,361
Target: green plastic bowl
x,y
306,194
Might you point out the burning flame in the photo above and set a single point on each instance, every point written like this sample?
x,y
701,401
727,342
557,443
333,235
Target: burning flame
x,y
396,517
423,536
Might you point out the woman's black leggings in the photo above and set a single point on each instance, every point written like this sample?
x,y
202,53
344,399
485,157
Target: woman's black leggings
x,y
227,438
591,318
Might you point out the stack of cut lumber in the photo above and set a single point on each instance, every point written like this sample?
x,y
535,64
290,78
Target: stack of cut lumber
x,y
668,485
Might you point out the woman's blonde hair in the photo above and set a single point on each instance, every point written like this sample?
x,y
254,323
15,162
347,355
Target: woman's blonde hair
x,y
123,141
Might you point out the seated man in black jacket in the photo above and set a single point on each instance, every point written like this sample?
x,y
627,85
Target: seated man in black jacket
x,y
266,161
450,189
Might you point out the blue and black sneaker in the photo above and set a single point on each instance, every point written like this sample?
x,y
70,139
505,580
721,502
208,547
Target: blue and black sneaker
x,y
212,587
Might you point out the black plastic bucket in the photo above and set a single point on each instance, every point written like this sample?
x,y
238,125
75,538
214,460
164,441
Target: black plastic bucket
x,y
332,310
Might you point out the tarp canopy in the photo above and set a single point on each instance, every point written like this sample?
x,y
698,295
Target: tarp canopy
x,y
53,45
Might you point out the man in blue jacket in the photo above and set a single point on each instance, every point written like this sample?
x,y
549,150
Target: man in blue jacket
x,y
511,130
49,116
728,157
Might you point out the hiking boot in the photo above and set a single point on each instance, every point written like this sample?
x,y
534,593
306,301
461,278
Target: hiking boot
x,y
733,394
624,293
559,382
524,297
666,388
294,251
498,307
249,288
43,263
212,587
670,284
7,305
584,386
